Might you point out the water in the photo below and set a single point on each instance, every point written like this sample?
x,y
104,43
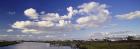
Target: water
x,y
34,45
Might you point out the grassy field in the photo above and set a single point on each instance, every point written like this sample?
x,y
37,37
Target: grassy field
x,y
100,44
104,45
6,43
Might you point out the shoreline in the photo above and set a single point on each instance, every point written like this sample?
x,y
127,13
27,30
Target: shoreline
x,y
8,43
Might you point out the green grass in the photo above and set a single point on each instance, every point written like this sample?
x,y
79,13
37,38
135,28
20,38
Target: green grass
x,y
110,45
122,44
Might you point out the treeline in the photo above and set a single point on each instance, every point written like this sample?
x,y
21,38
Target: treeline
x,y
7,43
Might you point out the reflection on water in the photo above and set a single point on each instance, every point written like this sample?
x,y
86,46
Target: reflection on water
x,y
34,45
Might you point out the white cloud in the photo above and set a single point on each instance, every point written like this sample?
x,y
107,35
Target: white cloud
x,y
45,23
42,12
21,24
57,17
42,26
31,13
93,14
10,30
83,20
129,16
51,17
33,31
90,14
87,7
63,23
71,12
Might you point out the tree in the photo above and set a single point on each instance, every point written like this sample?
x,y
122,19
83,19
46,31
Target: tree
x,y
130,37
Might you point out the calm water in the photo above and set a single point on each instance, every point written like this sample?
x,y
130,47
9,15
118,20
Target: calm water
x,y
34,45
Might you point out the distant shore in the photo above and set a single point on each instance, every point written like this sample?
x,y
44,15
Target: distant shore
x,y
7,43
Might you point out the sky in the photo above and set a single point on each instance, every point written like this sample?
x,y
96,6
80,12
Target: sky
x,y
68,19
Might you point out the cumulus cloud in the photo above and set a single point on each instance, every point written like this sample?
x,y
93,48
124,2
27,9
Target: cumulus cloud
x,y
50,17
22,24
71,12
34,31
83,20
90,15
129,16
63,23
93,14
87,7
45,23
31,13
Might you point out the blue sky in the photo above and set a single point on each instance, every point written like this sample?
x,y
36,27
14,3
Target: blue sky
x,y
74,17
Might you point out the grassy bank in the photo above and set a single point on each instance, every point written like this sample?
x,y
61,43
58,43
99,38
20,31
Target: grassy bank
x,y
104,45
7,43
99,44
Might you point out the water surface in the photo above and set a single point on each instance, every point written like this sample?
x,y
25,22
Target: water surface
x,y
34,45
